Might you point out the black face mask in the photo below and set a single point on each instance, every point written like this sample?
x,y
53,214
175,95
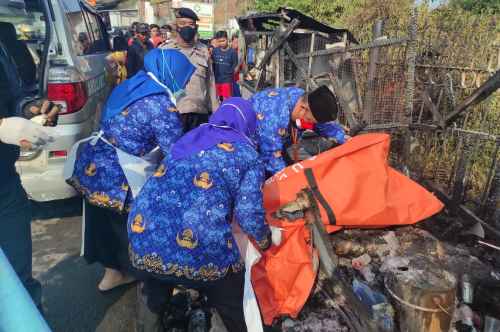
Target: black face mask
x,y
187,33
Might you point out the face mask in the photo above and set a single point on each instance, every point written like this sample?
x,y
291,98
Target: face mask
x,y
187,33
303,124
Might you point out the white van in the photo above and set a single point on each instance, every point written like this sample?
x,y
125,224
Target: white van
x,y
69,43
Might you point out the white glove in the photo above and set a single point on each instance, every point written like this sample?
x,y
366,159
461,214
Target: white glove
x,y
22,132
276,235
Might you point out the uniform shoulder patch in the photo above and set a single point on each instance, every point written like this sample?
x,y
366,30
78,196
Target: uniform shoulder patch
x,y
138,224
228,147
203,181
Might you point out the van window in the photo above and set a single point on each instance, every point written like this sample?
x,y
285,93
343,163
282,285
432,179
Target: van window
x,y
99,42
22,34
86,33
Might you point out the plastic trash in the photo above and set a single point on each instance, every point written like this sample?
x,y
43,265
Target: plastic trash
x,y
361,261
465,315
381,309
395,264
467,289
368,275
392,242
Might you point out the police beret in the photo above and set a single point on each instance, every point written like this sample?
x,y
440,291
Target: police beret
x,y
323,104
187,13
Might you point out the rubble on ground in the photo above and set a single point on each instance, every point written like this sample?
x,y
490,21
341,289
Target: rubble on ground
x,y
369,257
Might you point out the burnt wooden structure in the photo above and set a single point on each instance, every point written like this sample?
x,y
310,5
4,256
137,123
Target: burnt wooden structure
x,y
397,85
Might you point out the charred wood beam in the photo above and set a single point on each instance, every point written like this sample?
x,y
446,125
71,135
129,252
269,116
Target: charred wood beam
x,y
248,86
354,312
293,58
281,38
351,119
468,216
346,90
433,107
480,94
460,173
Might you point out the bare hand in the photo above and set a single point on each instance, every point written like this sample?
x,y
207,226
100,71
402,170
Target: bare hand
x,y
49,110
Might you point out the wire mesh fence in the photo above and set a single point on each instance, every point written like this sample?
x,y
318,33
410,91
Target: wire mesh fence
x,y
407,84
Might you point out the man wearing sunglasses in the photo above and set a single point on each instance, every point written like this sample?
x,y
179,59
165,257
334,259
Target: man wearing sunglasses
x,y
137,50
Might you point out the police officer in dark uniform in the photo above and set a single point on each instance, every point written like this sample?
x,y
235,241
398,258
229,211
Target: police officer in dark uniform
x,y
200,99
16,131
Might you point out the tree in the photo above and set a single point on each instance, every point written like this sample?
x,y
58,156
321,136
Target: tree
x,y
478,6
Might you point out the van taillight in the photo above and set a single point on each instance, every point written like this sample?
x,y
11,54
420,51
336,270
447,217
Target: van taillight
x,y
71,96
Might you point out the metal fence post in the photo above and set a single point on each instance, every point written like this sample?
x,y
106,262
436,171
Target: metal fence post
x,y
372,74
411,56
411,59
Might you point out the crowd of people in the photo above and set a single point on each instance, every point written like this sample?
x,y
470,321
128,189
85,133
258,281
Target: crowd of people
x,y
129,50
179,161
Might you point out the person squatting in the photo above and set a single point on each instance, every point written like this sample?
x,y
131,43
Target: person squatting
x,y
170,173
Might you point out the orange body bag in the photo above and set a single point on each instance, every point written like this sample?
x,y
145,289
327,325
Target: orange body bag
x,y
362,191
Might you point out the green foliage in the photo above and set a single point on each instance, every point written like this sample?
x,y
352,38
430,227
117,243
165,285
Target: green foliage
x,y
464,34
478,6
328,11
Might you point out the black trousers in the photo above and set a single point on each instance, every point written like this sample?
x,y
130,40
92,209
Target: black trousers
x,y
225,295
15,234
193,120
106,238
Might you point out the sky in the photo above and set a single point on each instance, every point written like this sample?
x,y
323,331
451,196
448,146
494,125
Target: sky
x,y
434,3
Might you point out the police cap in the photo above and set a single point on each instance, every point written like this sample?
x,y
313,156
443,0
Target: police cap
x,y
187,13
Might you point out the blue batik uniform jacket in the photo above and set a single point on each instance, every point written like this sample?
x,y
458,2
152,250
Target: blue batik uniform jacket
x,y
179,225
274,108
147,123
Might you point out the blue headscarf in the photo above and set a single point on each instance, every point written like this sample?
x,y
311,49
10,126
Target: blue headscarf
x,y
165,72
234,121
